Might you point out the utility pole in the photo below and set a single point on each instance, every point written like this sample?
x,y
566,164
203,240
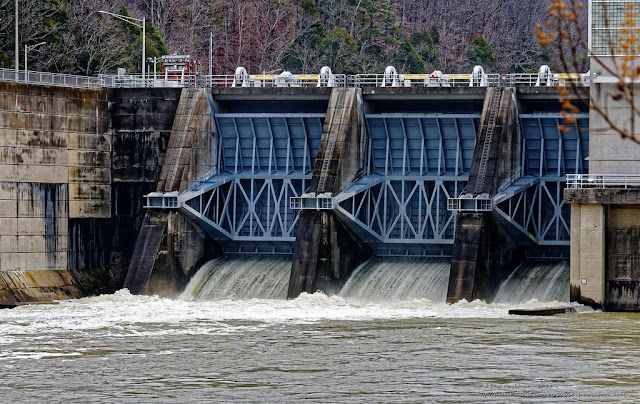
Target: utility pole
x,y
17,46
144,59
210,53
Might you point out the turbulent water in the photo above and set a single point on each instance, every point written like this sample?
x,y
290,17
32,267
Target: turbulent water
x,y
542,281
124,348
394,280
241,277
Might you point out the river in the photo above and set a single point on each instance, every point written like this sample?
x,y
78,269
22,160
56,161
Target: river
x,y
125,348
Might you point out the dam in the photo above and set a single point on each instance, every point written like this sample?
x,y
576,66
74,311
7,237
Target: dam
x,y
458,179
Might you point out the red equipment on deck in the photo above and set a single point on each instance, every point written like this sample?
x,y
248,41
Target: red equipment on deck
x,y
180,68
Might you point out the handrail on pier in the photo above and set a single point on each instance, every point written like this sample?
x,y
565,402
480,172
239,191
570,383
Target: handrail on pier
x,y
580,181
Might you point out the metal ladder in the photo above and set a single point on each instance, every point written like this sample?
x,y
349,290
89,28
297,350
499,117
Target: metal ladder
x,y
331,144
494,107
182,129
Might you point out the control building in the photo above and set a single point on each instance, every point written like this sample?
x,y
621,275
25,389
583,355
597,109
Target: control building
x,y
605,203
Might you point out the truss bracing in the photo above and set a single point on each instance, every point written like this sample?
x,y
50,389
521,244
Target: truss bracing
x,y
533,205
414,163
261,161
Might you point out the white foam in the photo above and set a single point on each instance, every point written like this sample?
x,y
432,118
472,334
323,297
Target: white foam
x,y
6,355
123,314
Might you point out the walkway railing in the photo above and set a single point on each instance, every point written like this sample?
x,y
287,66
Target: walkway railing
x,y
553,80
136,80
50,79
418,80
270,80
578,181
295,80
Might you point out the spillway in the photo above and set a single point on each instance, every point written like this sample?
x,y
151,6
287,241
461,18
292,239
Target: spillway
x,y
397,279
241,277
546,282
377,280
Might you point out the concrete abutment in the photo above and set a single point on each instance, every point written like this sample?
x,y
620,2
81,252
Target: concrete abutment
x,y
605,246
74,167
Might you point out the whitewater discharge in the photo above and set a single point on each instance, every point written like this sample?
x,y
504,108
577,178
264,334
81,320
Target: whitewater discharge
x,y
547,281
398,280
379,280
122,314
241,277
229,290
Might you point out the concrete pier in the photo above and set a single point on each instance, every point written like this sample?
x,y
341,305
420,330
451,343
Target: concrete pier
x,y
146,252
483,253
187,158
605,235
326,252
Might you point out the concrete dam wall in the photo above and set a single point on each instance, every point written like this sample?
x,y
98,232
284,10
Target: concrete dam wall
x,y
74,167
326,177
55,176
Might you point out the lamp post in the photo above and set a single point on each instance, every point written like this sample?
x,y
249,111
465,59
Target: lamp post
x,y
26,51
153,60
140,23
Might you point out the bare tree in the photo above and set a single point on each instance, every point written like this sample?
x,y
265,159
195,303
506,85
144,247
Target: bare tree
x,y
36,24
162,12
275,22
93,43
259,33
507,25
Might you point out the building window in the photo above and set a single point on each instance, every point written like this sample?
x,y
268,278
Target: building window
x,y
606,26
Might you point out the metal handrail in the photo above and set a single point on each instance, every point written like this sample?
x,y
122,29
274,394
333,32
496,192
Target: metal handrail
x,y
534,80
579,181
137,80
270,80
52,79
419,80
294,80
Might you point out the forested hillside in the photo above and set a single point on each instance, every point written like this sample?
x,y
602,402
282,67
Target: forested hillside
x,y
265,35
